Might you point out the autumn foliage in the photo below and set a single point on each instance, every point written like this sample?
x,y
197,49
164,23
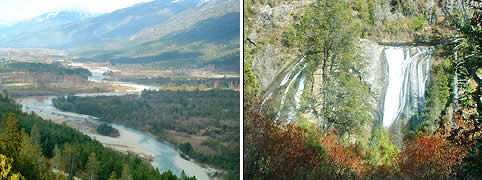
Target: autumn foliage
x,y
274,150
430,157
345,160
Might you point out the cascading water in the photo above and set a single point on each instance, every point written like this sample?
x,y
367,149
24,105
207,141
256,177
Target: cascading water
x,y
408,71
294,78
400,101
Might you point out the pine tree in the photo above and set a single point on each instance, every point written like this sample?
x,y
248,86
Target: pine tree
x,y
70,159
92,166
35,135
31,162
10,138
57,159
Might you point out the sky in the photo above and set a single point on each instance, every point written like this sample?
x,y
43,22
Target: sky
x,y
12,11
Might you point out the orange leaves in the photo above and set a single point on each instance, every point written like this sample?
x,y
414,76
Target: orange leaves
x,y
430,156
345,159
278,151
286,152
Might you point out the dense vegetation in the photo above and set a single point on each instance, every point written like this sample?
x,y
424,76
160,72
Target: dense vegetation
x,y
342,91
44,67
176,60
36,149
171,115
444,144
226,82
107,130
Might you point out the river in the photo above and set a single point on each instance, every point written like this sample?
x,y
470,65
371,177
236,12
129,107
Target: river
x,y
164,156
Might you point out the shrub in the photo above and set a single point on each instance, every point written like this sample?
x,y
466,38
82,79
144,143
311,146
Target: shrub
x,y
430,157
417,23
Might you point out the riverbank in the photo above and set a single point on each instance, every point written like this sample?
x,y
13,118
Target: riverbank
x,y
212,171
160,155
88,128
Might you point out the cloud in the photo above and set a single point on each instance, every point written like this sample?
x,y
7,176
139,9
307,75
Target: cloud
x,y
25,9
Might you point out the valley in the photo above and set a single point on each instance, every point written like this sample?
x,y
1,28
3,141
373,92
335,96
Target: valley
x,y
148,143
138,90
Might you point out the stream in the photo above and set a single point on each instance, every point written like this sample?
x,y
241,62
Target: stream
x,y
164,156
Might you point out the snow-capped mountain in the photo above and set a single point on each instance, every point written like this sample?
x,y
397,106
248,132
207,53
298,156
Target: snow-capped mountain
x,y
141,23
43,22
61,17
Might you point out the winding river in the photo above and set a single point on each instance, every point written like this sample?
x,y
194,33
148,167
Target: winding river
x,y
164,156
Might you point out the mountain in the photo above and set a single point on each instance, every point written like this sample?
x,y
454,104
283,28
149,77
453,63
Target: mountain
x,y
166,34
212,41
121,24
210,9
43,22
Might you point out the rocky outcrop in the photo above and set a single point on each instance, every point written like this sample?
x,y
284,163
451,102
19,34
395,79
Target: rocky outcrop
x,y
374,75
265,35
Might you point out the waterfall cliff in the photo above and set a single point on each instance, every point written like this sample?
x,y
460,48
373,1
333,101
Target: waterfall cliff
x,y
288,92
396,75
408,72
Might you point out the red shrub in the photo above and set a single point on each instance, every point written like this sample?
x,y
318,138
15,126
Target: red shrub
x,y
430,156
345,160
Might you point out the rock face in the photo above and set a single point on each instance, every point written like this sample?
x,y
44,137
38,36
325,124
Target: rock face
x,y
396,76
375,76
287,89
268,27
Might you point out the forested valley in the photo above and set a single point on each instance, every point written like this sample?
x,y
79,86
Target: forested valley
x,y
202,124
46,78
34,148
84,82
314,96
225,82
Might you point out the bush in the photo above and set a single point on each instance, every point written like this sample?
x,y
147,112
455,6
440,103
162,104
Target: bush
x,y
430,157
417,23
107,130
186,148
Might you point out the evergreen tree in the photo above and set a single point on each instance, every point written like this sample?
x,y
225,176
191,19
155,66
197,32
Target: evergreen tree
x,y
57,159
10,138
92,166
31,162
70,159
35,135
327,34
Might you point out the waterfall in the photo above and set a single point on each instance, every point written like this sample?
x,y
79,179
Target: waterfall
x,y
299,92
289,102
408,71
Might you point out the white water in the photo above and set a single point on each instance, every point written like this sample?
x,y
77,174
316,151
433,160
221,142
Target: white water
x,y
301,87
407,75
287,83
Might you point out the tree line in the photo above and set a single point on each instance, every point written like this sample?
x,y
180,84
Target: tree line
x,y
213,113
44,67
34,148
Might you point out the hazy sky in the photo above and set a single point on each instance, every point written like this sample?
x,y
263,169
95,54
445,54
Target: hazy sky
x,y
16,10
